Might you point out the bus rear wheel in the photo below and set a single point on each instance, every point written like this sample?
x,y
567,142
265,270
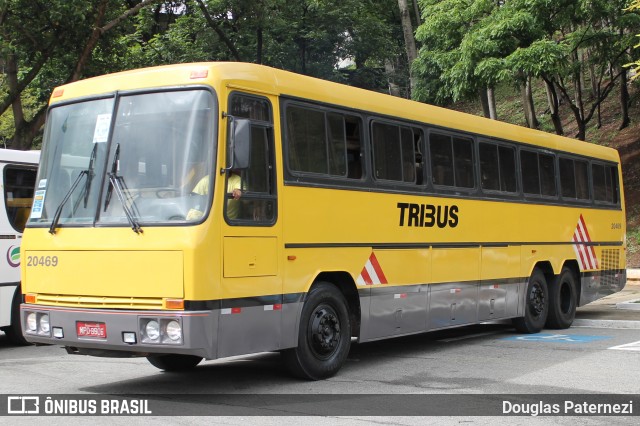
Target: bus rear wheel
x,y
174,362
563,299
536,306
324,336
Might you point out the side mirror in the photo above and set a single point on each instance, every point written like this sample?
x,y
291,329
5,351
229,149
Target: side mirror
x,y
239,154
240,143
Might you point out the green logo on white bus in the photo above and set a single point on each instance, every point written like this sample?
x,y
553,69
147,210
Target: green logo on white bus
x,y
13,256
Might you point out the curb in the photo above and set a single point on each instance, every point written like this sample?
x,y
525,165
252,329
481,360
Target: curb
x,y
633,275
616,324
633,305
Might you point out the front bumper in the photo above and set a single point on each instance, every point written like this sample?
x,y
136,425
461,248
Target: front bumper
x,y
198,331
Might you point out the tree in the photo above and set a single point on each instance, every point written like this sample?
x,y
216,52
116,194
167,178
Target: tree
x,y
409,39
635,6
471,44
44,44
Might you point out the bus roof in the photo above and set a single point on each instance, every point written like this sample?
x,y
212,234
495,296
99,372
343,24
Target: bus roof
x,y
260,78
16,156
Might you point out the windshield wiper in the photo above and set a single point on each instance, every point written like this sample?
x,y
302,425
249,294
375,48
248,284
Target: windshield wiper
x,y
56,216
117,182
90,174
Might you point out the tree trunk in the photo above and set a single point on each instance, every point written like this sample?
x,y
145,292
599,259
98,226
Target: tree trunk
x,y
492,103
624,99
529,107
409,39
416,9
484,101
554,106
394,89
259,46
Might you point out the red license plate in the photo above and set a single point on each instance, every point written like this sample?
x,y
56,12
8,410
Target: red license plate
x,y
96,330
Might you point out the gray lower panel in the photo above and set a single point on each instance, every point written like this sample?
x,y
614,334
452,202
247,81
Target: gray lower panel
x,y
389,311
596,285
453,304
396,311
199,330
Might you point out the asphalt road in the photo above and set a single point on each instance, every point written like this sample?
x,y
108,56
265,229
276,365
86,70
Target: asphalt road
x,y
481,361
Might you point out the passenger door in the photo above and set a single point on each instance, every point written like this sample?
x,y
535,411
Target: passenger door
x,y
250,319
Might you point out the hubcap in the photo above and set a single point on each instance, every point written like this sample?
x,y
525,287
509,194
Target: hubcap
x,y
536,299
324,331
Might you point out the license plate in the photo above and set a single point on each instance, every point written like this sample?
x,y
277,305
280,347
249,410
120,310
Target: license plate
x,y
97,330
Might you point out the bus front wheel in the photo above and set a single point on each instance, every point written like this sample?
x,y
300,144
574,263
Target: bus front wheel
x,y
174,362
324,336
562,300
14,331
536,306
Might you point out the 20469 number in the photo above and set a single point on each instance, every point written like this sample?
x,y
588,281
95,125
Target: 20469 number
x,y
42,261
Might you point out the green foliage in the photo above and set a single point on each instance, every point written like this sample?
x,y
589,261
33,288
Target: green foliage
x,y
635,7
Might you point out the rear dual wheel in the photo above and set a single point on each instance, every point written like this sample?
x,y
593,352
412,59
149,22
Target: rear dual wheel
x,y
536,307
563,300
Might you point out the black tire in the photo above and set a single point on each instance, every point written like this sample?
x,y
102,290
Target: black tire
x,y
563,300
536,306
14,331
324,336
174,362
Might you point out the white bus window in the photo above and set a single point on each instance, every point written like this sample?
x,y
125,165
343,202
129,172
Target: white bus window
x,y
19,184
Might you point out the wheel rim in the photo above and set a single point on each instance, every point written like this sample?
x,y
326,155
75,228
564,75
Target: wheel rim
x,y
324,332
536,300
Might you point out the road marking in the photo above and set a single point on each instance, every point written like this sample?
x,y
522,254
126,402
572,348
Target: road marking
x,y
635,346
557,338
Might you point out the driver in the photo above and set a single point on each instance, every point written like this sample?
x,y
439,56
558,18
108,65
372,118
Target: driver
x,y
234,184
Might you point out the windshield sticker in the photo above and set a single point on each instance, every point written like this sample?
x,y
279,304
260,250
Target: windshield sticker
x,y
101,133
42,183
38,204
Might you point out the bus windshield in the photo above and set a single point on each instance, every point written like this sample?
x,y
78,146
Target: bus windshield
x,y
127,159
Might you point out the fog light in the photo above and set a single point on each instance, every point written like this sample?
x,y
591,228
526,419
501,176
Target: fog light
x,y
44,324
129,337
174,330
58,333
32,324
152,330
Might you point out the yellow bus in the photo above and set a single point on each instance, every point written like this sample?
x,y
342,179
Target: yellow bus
x,y
209,210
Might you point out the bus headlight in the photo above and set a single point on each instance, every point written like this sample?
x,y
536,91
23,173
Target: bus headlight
x,y
167,331
174,330
152,330
44,325
32,323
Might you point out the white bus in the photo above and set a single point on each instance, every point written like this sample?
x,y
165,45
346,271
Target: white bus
x,y
17,182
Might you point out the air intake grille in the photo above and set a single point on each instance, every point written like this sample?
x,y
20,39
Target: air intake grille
x,y
611,278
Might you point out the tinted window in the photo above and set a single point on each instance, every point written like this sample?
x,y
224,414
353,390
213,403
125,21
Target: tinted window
x,y
441,159
530,173
489,169
451,160
508,181
605,183
323,142
19,184
567,178
393,152
547,175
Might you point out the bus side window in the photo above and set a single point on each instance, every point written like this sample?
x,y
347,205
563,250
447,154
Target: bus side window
x,y
19,185
257,203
